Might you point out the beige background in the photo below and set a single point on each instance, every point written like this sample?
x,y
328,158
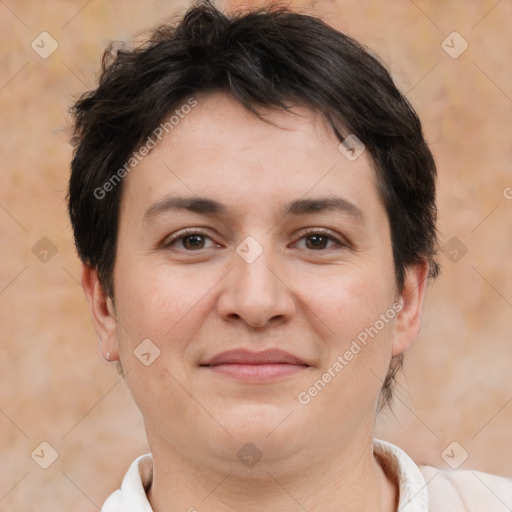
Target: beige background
x,y
55,388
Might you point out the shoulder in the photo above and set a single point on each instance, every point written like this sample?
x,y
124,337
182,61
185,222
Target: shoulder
x,y
466,490
425,488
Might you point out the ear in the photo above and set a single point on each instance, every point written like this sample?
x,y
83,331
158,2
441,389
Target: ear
x,y
408,323
102,312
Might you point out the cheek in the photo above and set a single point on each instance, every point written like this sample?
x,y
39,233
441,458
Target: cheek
x,y
359,321
350,309
167,306
154,300
347,301
162,306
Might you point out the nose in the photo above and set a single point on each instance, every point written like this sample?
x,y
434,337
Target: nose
x,y
256,290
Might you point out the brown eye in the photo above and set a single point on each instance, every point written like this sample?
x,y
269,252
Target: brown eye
x,y
317,241
189,240
193,241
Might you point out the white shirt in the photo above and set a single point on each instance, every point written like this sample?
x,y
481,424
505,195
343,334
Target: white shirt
x,y
421,488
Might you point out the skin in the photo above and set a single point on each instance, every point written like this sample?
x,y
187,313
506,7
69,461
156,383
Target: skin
x,y
309,299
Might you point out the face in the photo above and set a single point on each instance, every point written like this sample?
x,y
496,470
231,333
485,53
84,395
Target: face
x,y
254,285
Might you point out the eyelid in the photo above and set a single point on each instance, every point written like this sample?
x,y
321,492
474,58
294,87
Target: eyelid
x,y
169,240
340,240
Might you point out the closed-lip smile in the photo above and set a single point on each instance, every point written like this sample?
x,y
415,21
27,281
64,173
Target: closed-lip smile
x,y
247,366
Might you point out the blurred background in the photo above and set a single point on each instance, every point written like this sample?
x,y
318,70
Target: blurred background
x,y
69,428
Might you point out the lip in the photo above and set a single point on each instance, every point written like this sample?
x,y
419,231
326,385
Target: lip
x,y
266,366
246,357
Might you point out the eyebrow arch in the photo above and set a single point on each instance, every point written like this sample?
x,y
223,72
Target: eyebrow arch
x,y
207,206
321,204
196,204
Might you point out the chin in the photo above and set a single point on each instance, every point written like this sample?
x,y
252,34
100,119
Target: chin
x,y
266,424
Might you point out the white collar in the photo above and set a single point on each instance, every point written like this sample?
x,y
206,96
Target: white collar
x,y
411,483
412,486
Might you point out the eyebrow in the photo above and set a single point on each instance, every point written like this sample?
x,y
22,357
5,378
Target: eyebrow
x,y
322,204
211,207
196,204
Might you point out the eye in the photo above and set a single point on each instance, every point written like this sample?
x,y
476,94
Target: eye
x,y
318,240
189,240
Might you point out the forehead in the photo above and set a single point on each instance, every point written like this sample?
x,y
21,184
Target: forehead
x,y
221,150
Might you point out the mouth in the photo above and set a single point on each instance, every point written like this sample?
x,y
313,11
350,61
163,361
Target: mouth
x,y
246,366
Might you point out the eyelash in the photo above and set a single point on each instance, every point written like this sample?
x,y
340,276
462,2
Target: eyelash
x,y
323,232
183,234
303,234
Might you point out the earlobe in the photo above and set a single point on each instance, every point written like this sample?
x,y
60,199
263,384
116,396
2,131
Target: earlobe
x,y
102,313
408,323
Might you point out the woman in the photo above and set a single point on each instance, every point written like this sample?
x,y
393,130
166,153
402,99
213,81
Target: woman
x,y
253,202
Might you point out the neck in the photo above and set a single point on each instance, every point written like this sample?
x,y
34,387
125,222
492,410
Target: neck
x,y
349,479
